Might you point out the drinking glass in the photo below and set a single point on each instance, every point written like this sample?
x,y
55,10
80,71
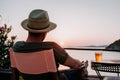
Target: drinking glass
x,y
98,56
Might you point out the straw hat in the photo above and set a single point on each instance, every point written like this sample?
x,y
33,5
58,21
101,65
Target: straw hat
x,y
38,22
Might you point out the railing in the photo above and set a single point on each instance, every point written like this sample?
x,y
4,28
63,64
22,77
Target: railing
x,y
91,49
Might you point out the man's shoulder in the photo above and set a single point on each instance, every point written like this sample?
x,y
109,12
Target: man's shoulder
x,y
33,46
50,42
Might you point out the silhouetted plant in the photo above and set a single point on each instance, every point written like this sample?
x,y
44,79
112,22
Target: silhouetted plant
x,y
5,44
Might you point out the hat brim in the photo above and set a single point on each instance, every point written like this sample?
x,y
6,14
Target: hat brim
x,y
51,27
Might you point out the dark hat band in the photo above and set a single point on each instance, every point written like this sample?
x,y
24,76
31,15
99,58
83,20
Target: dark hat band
x,y
38,29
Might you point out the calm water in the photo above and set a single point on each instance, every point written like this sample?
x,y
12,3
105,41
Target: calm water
x,y
89,55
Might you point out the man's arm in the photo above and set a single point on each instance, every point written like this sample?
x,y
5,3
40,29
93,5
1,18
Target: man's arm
x,y
72,63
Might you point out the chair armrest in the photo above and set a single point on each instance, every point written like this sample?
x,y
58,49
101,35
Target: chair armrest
x,y
78,73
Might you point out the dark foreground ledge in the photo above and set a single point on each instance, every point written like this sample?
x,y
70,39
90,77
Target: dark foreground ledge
x,y
5,74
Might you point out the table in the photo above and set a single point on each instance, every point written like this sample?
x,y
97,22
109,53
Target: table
x,y
112,66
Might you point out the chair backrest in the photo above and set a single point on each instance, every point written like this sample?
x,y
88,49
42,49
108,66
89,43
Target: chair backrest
x,y
33,62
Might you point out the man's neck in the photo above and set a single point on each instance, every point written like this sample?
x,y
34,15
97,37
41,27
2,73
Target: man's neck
x,y
30,39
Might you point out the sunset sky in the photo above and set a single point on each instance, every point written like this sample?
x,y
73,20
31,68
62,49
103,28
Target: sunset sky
x,y
79,22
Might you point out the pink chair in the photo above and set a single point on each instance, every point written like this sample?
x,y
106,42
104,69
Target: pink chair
x,y
33,63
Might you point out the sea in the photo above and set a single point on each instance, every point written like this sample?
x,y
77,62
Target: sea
x,y
89,55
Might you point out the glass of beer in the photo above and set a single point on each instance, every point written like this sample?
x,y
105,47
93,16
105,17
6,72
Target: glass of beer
x,y
98,56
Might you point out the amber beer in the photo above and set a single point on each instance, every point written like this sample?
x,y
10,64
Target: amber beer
x,y
98,57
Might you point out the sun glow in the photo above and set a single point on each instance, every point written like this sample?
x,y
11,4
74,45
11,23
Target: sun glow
x,y
62,44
